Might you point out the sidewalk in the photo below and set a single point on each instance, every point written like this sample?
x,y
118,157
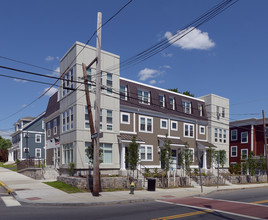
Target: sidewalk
x,y
28,190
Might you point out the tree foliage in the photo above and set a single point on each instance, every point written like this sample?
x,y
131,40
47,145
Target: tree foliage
x,y
187,158
5,144
220,157
166,156
90,154
133,154
187,92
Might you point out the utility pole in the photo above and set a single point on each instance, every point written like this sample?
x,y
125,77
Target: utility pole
x,y
265,142
96,170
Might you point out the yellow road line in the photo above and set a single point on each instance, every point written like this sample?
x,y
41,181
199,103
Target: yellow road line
x,y
259,202
184,215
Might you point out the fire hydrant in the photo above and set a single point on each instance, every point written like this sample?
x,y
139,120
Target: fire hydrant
x,y
132,188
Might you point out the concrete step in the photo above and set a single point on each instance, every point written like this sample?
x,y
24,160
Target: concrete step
x,y
50,174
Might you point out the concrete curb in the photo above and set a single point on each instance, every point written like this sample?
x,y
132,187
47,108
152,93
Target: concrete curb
x,y
9,190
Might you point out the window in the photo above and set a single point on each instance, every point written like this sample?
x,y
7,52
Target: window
x,y
202,129
109,83
68,153
188,130
86,118
107,153
186,106
38,152
216,134
125,118
26,150
218,112
233,151
200,110
162,101
109,120
163,124
233,135
68,82
144,97
48,129
224,136
244,137
174,125
146,124
67,120
38,138
146,153
89,78
172,103
101,119
123,92
220,135
223,112
55,126
244,154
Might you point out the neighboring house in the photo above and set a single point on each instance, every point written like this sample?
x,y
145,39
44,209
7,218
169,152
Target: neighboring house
x,y
52,125
217,108
28,140
151,114
75,136
246,136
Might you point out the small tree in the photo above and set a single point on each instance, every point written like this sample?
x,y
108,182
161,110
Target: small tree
x,y
262,164
5,144
188,158
244,168
252,163
220,157
133,155
210,153
166,156
90,155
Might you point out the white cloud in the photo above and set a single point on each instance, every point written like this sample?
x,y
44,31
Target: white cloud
x,y
6,134
56,72
20,80
161,81
165,67
148,74
51,91
152,82
49,58
196,39
167,54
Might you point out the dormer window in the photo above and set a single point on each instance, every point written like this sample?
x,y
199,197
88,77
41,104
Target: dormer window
x,y
162,101
144,97
186,106
172,103
200,110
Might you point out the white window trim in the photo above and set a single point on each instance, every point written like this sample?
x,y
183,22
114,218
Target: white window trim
x,y
200,126
146,117
173,102
142,97
232,135
235,151
55,130
128,115
185,108
109,124
38,135
161,120
189,130
174,129
244,142
242,154
152,152
164,100
49,132
125,93
35,152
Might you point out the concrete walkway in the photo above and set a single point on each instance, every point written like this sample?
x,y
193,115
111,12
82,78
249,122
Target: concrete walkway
x,y
28,190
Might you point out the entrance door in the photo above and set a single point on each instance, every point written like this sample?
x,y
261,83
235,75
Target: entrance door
x,y
126,158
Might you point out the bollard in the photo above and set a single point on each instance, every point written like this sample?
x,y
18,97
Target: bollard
x,y
132,188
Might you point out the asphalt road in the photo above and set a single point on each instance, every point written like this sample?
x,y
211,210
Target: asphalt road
x,y
149,210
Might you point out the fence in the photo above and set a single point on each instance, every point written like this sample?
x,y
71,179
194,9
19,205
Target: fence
x,y
30,163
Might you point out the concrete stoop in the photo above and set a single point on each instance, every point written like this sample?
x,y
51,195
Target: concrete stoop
x,y
50,174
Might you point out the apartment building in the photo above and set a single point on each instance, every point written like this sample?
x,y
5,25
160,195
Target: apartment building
x,y
75,134
151,114
217,108
246,136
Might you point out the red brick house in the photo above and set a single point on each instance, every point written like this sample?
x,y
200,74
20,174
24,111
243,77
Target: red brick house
x,y
246,136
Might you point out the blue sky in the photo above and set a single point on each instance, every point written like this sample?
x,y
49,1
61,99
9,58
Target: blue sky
x,y
226,56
